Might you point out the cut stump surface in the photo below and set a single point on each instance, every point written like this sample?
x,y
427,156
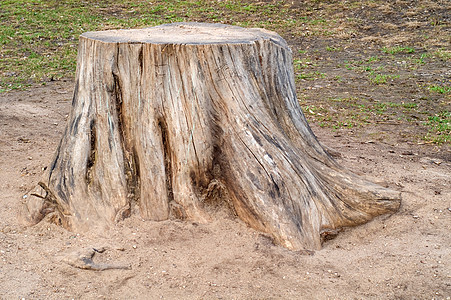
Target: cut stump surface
x,y
178,120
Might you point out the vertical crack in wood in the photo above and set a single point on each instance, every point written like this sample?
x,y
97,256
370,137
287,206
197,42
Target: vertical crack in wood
x,y
140,60
92,152
55,159
167,159
131,168
134,182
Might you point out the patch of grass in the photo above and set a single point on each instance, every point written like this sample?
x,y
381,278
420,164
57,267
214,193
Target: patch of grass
x,y
354,112
370,68
303,63
333,49
380,108
440,128
398,49
410,105
311,75
338,113
364,65
442,89
39,38
352,65
238,6
349,66
373,59
378,78
421,59
443,54
309,20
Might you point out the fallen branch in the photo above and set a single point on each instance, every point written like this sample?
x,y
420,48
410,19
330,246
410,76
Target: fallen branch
x,y
83,259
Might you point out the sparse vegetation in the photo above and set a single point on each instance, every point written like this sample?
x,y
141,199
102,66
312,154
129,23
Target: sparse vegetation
x,y
443,54
439,128
377,79
442,89
39,38
333,49
398,49
311,75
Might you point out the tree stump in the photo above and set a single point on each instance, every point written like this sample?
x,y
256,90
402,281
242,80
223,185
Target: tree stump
x,y
175,120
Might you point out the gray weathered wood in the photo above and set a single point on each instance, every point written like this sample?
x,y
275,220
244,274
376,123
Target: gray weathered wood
x,y
171,120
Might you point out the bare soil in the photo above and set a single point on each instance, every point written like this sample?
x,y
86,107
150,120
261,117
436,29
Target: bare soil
x,y
405,255
401,256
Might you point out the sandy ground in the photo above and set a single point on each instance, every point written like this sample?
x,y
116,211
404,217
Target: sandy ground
x,y
401,256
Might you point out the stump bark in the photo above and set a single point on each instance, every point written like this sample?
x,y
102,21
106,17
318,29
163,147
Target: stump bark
x,y
175,120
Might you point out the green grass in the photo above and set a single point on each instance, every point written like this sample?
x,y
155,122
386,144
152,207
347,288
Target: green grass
x,y
303,63
378,78
443,54
439,128
38,38
398,49
442,89
373,70
421,60
350,112
311,75
373,59
380,71
333,49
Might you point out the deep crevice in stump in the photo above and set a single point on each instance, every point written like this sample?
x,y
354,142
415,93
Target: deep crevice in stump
x,y
181,120
167,159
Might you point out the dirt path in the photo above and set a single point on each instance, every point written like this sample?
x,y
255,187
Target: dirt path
x,y
405,256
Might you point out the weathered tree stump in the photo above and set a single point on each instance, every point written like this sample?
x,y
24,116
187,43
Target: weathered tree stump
x,y
173,120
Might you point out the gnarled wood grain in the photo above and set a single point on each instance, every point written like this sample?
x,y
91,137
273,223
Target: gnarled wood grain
x,y
162,117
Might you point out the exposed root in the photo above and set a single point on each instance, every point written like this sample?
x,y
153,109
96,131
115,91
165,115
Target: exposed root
x,y
51,199
41,203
